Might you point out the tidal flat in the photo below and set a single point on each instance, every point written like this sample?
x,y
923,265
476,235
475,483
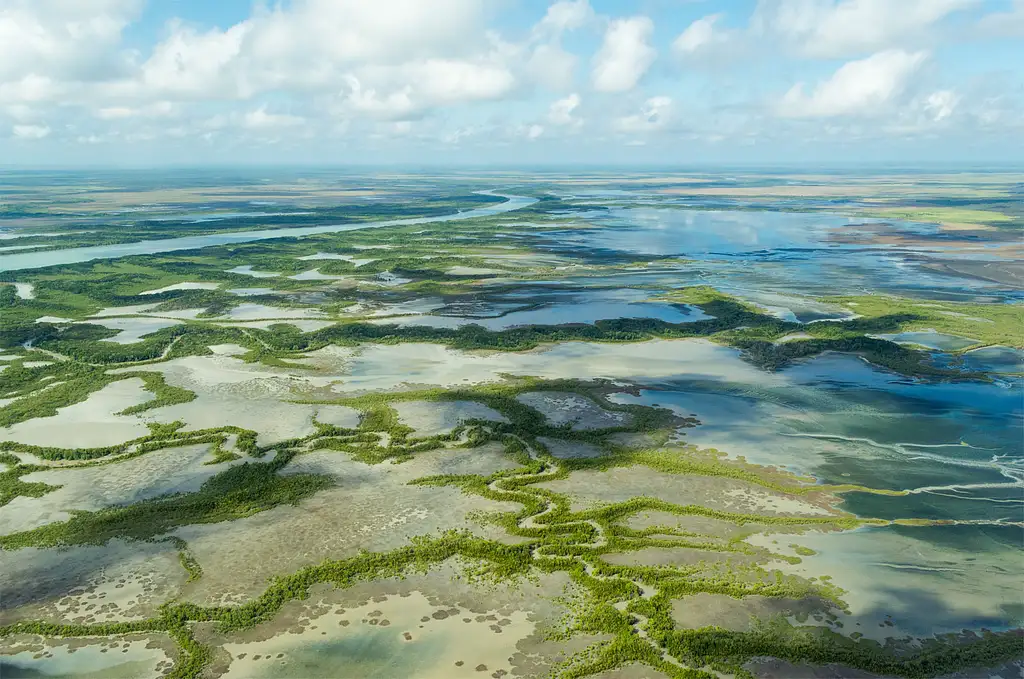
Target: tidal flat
x,y
515,425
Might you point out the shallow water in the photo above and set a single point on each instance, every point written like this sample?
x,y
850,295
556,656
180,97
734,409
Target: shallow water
x,y
37,260
556,308
788,252
956,446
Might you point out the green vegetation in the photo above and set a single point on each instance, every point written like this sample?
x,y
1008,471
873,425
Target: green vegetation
x,y
242,490
11,485
554,537
630,604
986,323
956,217
66,383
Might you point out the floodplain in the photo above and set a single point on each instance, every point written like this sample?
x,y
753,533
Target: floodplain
x,y
525,425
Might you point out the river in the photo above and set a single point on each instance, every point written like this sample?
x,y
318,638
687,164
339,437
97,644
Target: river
x,y
39,260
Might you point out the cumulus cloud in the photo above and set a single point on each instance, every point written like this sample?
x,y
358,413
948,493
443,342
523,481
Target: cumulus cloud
x,y
561,112
842,28
940,105
449,71
61,39
653,116
549,64
565,15
259,119
158,109
699,35
30,132
624,55
857,88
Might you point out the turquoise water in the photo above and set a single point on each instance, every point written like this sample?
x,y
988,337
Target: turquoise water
x,y
956,445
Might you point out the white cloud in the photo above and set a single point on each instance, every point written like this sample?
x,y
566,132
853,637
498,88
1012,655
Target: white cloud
x,y
30,132
549,64
190,64
396,105
861,87
560,112
534,131
312,45
1004,24
698,35
652,116
449,80
624,56
62,39
940,105
552,66
259,119
30,88
840,28
158,109
565,15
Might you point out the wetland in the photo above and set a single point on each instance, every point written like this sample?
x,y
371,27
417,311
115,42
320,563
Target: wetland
x,y
524,425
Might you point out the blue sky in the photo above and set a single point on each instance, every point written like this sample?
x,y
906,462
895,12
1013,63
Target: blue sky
x,y
511,82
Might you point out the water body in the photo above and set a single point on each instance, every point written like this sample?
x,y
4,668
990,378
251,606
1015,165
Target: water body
x,y
38,260
786,252
957,446
560,308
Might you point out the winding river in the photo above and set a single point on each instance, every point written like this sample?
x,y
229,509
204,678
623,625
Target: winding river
x,y
38,260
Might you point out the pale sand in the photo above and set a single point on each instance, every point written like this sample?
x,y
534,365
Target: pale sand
x,y
248,271
702,525
375,367
315,275
356,261
187,285
433,620
567,450
372,507
129,310
88,424
169,470
472,271
588,488
406,644
133,329
228,349
561,408
302,325
24,290
385,367
703,609
116,581
677,556
430,418
927,587
256,312
118,658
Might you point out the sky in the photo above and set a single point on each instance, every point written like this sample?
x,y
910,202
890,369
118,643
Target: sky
x,y
511,82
